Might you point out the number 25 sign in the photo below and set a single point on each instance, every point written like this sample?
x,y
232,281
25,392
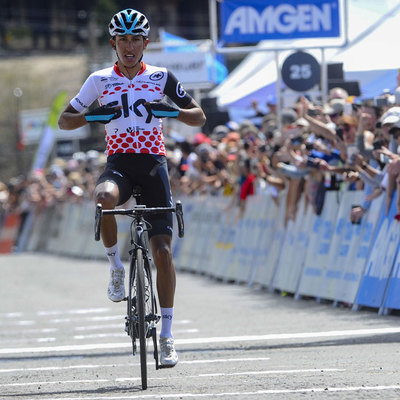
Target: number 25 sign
x,y
301,71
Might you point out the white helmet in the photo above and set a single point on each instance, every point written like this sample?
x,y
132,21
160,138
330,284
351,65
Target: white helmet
x,y
129,22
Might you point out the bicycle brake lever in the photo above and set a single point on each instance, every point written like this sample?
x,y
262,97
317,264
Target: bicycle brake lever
x,y
179,217
97,222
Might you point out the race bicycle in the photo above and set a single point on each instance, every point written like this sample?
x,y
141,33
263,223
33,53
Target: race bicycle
x,y
142,311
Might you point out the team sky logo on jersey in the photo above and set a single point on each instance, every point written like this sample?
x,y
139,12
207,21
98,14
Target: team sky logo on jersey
x,y
180,91
156,76
138,107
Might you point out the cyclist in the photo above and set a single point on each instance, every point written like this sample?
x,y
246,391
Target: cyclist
x,y
132,98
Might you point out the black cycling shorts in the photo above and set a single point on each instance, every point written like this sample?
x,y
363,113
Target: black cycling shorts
x,y
151,173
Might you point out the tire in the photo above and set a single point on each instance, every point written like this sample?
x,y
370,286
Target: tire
x,y
141,310
131,307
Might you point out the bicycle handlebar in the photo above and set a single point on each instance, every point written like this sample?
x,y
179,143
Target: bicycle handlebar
x,y
139,210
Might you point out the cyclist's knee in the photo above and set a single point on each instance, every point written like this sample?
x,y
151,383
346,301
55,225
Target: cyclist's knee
x,y
107,198
161,247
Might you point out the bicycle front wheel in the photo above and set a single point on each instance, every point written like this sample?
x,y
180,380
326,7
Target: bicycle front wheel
x,y
141,311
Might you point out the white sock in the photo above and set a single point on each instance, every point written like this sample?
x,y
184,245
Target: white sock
x,y
113,257
166,322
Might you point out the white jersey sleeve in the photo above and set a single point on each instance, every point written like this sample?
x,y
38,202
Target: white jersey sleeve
x,y
87,95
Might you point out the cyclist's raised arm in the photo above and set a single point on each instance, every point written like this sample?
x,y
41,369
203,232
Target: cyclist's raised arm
x,y
189,111
71,119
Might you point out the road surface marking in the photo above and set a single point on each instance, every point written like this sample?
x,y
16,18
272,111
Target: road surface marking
x,y
242,394
217,374
78,311
177,377
125,365
210,340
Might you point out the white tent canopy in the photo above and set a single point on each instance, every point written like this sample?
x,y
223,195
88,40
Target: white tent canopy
x,y
371,58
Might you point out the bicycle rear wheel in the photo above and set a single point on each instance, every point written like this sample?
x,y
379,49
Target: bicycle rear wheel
x,y
141,311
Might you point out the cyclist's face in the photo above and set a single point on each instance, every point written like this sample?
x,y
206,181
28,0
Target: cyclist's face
x,y
129,48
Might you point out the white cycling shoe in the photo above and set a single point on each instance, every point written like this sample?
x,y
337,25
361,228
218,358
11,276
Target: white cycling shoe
x,y
168,355
116,287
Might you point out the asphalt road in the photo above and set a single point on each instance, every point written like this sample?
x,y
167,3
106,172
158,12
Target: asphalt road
x,y
61,338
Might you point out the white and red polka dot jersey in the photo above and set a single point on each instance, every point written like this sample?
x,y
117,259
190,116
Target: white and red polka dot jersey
x,y
134,130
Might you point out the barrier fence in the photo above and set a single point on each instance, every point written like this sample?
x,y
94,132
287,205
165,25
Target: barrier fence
x,y
324,257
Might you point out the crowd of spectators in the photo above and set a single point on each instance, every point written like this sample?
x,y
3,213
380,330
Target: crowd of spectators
x,y
313,148
64,180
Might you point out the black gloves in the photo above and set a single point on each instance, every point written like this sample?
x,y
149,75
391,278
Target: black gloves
x,y
161,109
103,114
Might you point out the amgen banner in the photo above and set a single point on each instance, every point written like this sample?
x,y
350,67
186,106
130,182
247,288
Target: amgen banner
x,y
247,21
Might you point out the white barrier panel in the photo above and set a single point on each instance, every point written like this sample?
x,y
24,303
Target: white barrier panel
x,y
41,234
209,218
381,260
341,242
294,250
266,258
73,240
353,264
57,238
318,248
191,215
246,240
212,233
224,244
91,248
322,256
392,300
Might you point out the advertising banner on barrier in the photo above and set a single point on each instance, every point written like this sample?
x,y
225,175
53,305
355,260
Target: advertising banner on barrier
x,y
191,218
318,248
206,233
249,21
343,240
294,250
247,240
224,243
354,264
392,300
270,242
381,260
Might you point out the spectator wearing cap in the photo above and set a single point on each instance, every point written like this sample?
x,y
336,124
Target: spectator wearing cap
x,y
219,132
337,93
288,124
388,119
349,126
333,111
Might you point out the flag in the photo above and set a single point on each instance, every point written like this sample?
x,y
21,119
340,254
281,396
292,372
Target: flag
x,y
48,138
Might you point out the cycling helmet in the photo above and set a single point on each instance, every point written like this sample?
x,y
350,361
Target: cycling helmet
x,y
129,22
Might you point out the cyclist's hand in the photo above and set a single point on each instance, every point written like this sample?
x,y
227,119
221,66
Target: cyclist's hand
x,y
161,109
103,114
